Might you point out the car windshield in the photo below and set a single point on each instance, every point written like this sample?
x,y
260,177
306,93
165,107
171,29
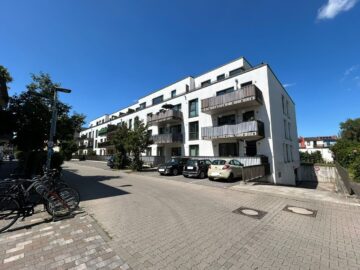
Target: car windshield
x,y
191,162
219,162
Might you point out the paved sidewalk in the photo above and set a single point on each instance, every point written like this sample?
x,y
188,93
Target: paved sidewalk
x,y
157,224
73,243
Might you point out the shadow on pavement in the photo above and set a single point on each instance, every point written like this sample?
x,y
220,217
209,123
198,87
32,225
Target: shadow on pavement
x,y
91,187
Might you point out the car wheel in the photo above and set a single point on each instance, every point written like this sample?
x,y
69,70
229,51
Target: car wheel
x,y
202,175
175,172
231,177
211,178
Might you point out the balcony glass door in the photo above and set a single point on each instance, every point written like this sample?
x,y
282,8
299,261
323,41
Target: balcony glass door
x,y
251,148
228,149
227,120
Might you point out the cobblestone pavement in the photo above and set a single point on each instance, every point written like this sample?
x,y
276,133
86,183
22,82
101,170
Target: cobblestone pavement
x,y
73,243
173,225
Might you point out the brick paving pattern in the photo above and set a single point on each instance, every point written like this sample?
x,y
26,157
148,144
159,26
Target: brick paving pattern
x,y
175,225
73,243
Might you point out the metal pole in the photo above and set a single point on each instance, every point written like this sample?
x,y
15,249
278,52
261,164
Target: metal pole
x,y
52,131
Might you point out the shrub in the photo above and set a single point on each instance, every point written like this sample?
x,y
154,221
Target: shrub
x,y
355,169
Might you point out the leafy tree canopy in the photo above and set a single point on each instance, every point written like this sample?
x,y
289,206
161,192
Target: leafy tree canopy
x,y
350,129
4,74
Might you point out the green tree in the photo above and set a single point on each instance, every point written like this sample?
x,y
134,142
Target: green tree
x,y
5,75
137,142
31,111
350,130
119,139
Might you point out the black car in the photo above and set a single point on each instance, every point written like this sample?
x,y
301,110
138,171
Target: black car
x,y
110,162
173,166
196,168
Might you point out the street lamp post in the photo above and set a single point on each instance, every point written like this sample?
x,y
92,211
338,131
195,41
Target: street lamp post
x,y
50,143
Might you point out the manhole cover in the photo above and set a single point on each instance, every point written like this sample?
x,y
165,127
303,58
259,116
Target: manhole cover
x,y
300,211
250,212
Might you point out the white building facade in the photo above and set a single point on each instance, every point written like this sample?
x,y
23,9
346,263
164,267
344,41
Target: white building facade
x,y
236,110
320,144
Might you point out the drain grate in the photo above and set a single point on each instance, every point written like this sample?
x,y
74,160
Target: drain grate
x,y
300,210
250,212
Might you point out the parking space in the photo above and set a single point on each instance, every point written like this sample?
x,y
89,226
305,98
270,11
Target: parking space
x,y
154,173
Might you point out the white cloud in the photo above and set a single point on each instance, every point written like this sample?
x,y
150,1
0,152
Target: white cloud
x,y
350,70
287,85
333,7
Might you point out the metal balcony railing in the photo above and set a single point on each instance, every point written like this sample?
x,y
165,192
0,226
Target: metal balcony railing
x,y
247,96
167,138
251,129
168,115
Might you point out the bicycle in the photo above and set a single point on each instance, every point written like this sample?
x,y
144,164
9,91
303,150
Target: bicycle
x,y
16,199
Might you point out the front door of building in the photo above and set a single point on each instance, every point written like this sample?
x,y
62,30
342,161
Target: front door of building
x,y
228,149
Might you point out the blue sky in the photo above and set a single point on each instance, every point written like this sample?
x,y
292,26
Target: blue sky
x,y
113,52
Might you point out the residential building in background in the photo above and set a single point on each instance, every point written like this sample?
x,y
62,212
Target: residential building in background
x,y
321,144
235,110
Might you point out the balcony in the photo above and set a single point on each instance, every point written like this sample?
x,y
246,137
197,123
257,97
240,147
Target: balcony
x,y
245,97
252,130
167,138
105,144
168,116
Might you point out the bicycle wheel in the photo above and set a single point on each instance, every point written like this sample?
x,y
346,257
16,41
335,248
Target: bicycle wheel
x,y
62,202
9,212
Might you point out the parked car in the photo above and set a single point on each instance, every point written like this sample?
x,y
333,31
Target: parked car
x,y
173,166
196,168
110,162
223,169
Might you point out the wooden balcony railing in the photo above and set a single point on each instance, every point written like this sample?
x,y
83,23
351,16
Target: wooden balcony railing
x,y
168,115
167,138
105,144
250,130
247,96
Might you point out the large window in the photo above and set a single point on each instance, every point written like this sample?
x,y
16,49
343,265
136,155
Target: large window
x,y
220,77
194,150
225,91
227,120
176,151
157,100
177,107
173,93
205,83
143,105
193,108
194,130
236,71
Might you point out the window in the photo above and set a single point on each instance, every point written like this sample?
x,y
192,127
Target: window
x,y
194,130
187,88
235,162
226,120
205,83
236,71
287,153
130,123
291,153
284,152
157,100
97,133
96,144
143,105
225,91
289,131
175,129
285,129
176,151
148,151
177,107
194,150
246,84
193,108
287,108
283,103
173,93
220,77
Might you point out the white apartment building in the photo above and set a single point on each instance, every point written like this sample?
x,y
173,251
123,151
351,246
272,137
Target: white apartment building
x,y
235,110
321,144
